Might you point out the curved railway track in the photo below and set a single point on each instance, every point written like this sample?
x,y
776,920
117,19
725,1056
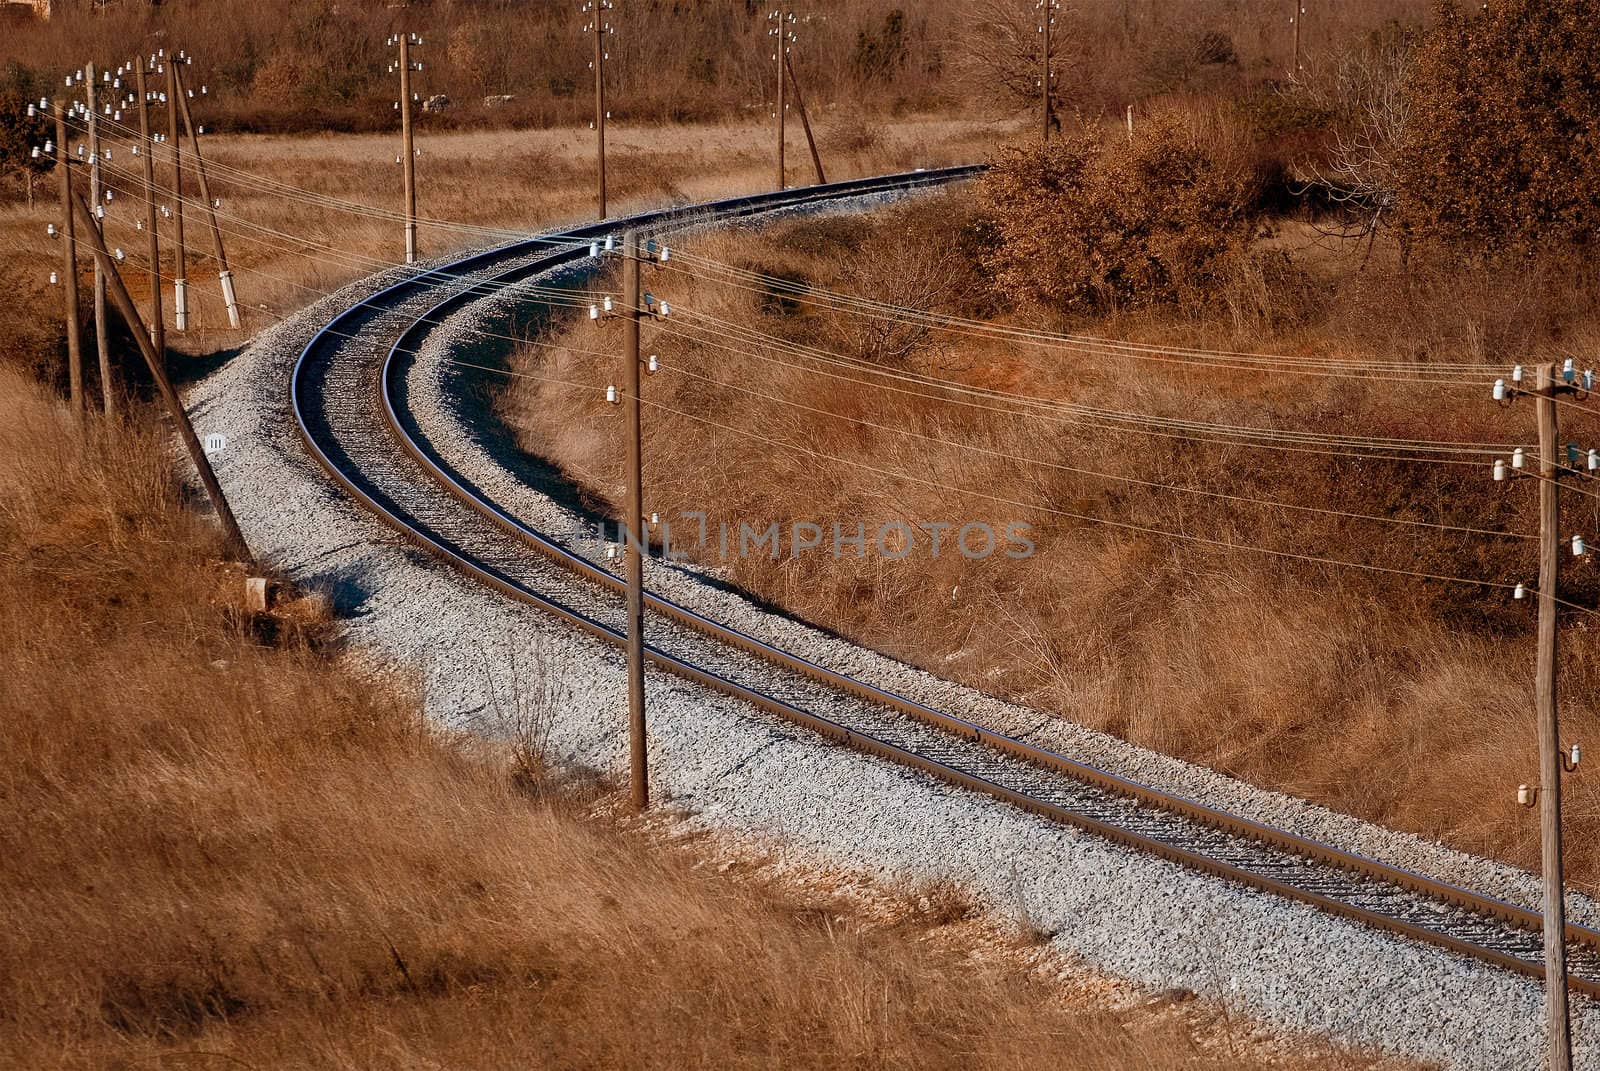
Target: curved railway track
x,y
348,403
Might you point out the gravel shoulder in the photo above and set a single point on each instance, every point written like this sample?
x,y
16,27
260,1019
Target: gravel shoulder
x,y
482,663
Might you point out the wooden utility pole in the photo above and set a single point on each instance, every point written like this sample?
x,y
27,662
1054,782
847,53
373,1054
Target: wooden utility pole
x,y
408,147
158,372
1047,11
634,534
223,274
158,337
102,340
1297,18
69,266
781,35
600,28
805,121
180,278
1555,908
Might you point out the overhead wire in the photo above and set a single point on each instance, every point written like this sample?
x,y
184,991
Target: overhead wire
x,y
290,244
257,182
1074,413
358,258
1001,455
477,332
1165,353
561,296
717,342
293,246
1231,545
1437,374
865,306
1086,518
836,299
1376,373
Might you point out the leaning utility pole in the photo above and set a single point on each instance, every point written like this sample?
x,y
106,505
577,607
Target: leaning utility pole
x,y
805,121
600,28
1047,16
782,36
1555,907
180,278
158,372
69,266
223,274
634,536
102,340
158,337
408,144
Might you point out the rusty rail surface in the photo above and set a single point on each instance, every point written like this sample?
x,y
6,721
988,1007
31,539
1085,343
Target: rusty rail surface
x,y
571,248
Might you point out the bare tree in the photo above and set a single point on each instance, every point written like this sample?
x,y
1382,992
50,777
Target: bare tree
x,y
1002,51
911,274
1364,87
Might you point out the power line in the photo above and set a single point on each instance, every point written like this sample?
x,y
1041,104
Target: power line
x,y
768,285
1085,518
288,244
1089,518
1073,413
1001,455
257,182
1365,444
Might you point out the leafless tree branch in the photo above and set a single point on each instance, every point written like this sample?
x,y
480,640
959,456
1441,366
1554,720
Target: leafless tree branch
x,y
1364,87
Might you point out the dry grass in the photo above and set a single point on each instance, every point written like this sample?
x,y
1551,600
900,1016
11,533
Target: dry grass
x,y
218,850
1400,700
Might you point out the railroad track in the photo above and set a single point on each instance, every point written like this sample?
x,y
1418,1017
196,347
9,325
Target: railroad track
x,y
348,403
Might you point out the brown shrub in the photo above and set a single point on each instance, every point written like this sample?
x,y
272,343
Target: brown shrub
x,y
1097,220
1506,107
851,134
1266,292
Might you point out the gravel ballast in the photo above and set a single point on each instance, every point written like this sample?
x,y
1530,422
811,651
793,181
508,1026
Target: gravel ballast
x,y
479,657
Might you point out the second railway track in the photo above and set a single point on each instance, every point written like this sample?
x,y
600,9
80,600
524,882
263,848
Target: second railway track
x,y
350,410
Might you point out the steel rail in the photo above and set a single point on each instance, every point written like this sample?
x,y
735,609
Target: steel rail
x,y
391,375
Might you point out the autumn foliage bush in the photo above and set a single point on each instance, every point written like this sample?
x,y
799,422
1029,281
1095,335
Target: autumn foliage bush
x,y
1501,148
1102,220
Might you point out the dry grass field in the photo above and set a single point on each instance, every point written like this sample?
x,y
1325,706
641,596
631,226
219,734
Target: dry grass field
x,y
220,846
1401,700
